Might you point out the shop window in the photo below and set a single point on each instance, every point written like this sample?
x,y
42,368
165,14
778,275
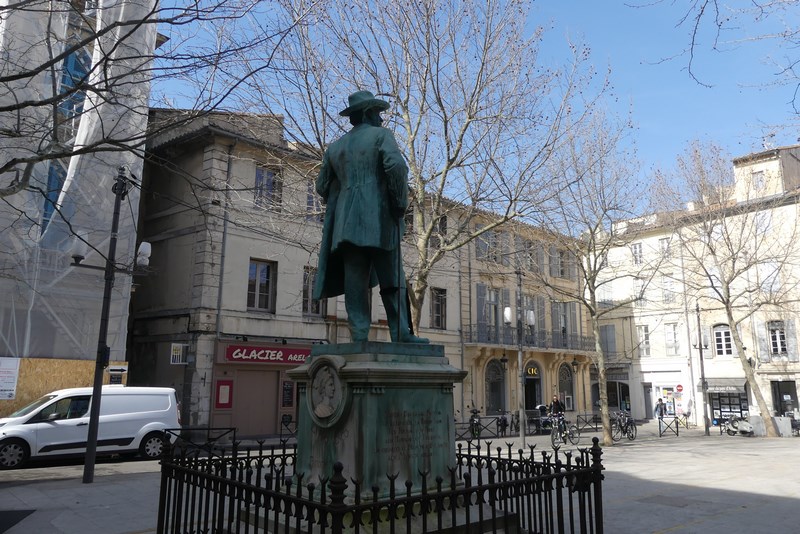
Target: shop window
x,y
784,397
261,284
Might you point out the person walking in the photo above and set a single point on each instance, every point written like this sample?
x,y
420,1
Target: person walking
x,y
660,411
363,182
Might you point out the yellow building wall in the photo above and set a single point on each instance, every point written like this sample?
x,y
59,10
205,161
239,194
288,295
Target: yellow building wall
x,y
38,376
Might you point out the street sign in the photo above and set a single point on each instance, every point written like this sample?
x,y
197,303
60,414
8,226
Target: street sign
x,y
679,388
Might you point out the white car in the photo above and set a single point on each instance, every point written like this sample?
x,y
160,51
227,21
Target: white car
x,y
132,420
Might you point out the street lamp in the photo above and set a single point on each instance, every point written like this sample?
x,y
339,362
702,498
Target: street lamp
x,y
700,343
507,321
120,190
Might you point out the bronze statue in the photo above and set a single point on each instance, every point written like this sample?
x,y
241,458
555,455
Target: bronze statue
x,y
363,183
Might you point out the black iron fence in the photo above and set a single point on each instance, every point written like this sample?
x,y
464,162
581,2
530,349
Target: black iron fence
x,y
500,490
542,339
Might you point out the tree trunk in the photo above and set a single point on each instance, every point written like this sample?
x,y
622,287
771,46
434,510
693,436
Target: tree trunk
x,y
601,384
766,415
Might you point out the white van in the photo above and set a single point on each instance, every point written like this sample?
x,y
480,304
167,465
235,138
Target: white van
x,y
132,419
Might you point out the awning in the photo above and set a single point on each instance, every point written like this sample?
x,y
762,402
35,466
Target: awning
x,y
723,385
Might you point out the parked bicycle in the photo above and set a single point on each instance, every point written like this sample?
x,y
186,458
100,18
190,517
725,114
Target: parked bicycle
x,y
562,431
623,425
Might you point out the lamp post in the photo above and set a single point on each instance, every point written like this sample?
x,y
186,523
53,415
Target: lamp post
x,y
700,343
120,189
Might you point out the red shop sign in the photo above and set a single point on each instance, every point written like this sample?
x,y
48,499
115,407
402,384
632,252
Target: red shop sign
x,y
275,354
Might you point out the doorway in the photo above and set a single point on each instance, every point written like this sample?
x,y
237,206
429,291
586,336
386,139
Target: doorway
x,y
255,403
647,390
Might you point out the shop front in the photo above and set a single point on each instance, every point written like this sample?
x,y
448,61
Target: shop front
x,y
726,397
251,391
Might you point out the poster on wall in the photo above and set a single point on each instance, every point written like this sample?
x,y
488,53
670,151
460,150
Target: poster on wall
x,y
9,372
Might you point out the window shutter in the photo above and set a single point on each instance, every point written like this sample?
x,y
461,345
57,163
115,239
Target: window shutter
x,y
574,327
540,313
573,266
791,340
553,261
481,246
480,296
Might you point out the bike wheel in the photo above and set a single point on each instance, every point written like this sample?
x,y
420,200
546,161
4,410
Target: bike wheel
x,y
730,431
616,431
555,437
574,434
631,431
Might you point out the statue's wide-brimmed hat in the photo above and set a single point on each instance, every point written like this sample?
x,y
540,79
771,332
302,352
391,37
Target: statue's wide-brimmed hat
x,y
363,100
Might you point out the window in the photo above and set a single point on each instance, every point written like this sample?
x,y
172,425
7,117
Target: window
x,y
314,209
261,284
643,335
439,232
638,292
56,174
311,307
671,331
723,343
438,308
663,246
667,285
489,246
608,340
493,312
777,337
636,250
268,188
66,408
757,180
74,72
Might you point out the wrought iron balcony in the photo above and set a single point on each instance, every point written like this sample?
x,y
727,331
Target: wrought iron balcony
x,y
531,338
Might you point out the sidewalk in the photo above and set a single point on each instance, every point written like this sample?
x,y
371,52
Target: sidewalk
x,y
123,499
687,484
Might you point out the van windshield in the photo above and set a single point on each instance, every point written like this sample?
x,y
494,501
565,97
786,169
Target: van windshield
x,y
33,406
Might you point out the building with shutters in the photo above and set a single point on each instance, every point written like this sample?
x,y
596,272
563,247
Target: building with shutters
x,y
740,241
230,210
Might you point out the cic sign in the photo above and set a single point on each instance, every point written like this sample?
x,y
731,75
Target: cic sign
x,y
267,354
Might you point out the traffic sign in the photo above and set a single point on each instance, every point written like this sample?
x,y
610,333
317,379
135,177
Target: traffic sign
x,y
679,388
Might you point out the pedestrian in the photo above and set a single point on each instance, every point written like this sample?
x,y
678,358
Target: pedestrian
x,y
660,412
556,407
363,183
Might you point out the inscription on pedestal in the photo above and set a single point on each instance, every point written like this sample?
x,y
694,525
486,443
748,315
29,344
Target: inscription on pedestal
x,y
413,434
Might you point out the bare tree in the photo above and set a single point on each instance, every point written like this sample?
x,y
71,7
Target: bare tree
x,y
475,110
724,27
603,187
737,246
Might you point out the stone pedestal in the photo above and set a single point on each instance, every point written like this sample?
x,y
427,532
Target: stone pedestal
x,y
378,408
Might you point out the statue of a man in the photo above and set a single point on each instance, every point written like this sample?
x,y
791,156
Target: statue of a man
x,y
363,182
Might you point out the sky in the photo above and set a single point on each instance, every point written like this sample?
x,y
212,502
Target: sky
x,y
740,110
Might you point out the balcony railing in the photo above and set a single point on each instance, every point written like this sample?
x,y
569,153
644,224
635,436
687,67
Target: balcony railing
x,y
531,338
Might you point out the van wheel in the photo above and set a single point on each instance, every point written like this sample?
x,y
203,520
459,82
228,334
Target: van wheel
x,y
152,445
13,453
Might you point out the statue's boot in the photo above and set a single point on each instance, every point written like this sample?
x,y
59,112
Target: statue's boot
x,y
398,316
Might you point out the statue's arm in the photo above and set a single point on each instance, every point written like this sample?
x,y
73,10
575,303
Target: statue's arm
x,y
325,179
396,171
